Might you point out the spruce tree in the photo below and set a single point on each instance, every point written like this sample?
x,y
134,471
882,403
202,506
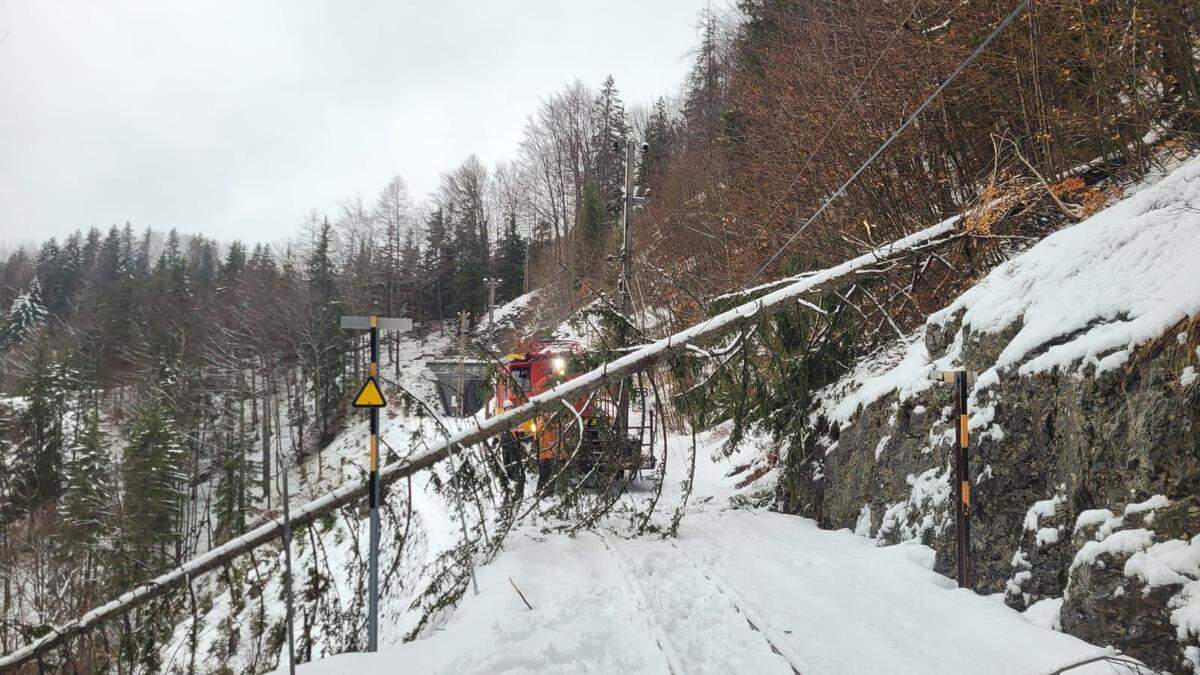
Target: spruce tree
x,y
38,457
510,261
89,493
608,147
591,230
436,268
153,478
411,283
26,315
659,139
327,353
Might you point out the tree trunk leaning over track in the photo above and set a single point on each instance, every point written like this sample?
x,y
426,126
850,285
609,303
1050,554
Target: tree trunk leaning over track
x,y
634,361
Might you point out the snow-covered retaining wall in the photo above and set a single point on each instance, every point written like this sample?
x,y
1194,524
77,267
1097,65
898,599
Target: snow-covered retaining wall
x,y
1085,430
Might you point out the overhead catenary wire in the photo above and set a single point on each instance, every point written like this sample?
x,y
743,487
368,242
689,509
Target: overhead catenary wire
x,y
895,134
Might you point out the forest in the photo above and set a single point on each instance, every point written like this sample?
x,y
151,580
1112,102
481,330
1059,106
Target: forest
x,y
138,366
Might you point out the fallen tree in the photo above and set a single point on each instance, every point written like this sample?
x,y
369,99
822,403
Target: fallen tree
x,y
790,291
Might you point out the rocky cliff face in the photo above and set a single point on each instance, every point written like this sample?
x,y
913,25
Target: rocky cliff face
x,y
1085,430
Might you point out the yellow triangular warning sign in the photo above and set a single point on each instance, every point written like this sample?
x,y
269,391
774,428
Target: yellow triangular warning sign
x,y
369,396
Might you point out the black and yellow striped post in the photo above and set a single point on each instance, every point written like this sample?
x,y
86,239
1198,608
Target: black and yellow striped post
x,y
371,397
964,482
962,380
373,472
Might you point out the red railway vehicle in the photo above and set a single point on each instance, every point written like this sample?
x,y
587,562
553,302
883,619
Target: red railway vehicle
x,y
585,437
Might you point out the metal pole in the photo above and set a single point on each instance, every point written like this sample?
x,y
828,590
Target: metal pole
x,y
492,283
463,317
373,446
287,559
624,285
963,486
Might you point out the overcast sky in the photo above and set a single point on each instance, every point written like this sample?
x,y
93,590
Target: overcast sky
x,y
234,119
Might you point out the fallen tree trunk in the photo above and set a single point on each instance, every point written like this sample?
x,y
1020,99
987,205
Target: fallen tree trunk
x,y
608,372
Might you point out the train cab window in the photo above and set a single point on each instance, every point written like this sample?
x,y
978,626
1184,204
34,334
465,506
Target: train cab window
x,y
521,379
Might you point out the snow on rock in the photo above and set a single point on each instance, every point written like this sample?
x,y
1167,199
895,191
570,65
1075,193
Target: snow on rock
x,y
1139,252
1155,502
1045,613
1169,563
904,365
930,492
863,526
1093,517
1045,508
1125,542
1047,536
882,444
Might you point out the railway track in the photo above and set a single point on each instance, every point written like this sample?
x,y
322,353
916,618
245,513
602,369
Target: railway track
x,y
649,615
672,654
758,622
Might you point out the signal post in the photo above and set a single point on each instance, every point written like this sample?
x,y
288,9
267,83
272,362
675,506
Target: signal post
x,y
370,396
962,380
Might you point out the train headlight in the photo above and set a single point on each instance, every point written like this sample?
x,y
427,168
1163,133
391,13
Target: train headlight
x,y
559,364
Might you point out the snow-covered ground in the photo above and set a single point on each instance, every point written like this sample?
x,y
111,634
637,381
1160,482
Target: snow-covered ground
x,y
740,591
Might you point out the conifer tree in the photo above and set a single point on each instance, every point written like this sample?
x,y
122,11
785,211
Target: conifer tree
x,y
26,315
327,343
410,271
659,139
88,495
608,147
436,262
152,477
591,228
510,261
38,456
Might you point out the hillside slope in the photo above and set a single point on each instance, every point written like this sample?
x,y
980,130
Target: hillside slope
x,y
1085,430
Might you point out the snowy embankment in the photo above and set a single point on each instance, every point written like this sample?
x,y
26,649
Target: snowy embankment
x,y
737,591
1087,295
243,630
1087,348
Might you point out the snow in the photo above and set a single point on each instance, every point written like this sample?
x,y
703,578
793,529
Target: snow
x,y
1045,613
1188,376
930,492
862,527
1092,517
1125,542
1169,563
880,446
509,311
1045,508
1174,561
901,366
830,601
737,591
1142,251
1047,536
1155,502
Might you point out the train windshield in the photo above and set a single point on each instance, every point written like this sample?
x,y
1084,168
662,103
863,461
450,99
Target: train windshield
x,y
521,378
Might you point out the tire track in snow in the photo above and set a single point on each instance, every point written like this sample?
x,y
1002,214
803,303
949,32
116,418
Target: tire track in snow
x,y
642,600
777,641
